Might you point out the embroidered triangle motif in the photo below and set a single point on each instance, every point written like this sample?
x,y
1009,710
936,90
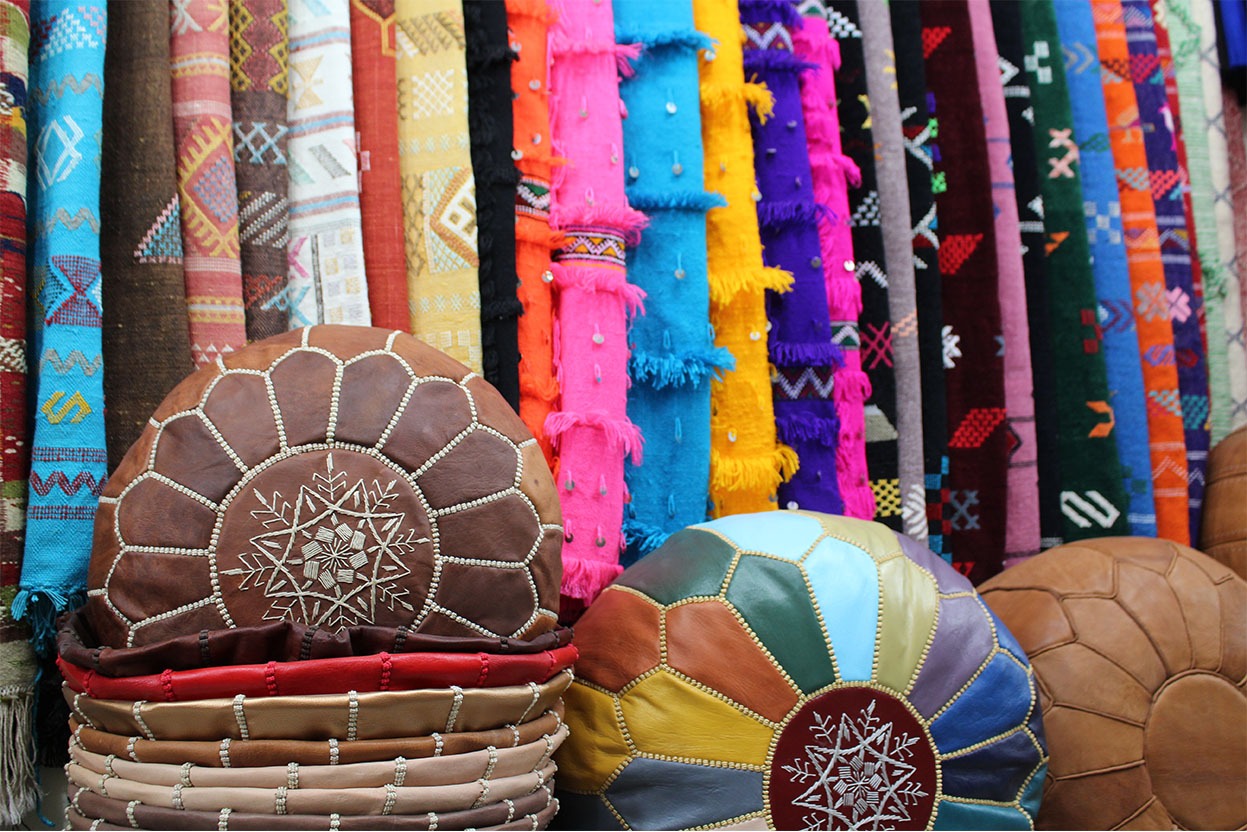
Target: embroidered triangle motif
x,y
163,241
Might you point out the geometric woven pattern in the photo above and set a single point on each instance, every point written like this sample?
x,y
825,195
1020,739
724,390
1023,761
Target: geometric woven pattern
x,y
800,671
333,476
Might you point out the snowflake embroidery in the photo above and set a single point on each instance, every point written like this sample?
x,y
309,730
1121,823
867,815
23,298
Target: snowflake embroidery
x,y
952,348
856,774
335,553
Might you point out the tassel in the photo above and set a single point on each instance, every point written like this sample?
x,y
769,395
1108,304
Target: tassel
x,y
585,579
768,60
17,762
806,354
760,474
40,608
700,201
606,280
621,219
685,39
806,427
683,370
779,215
852,387
620,433
731,97
643,538
726,284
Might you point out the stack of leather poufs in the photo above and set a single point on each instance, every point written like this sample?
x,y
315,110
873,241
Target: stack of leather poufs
x,y
322,596
791,670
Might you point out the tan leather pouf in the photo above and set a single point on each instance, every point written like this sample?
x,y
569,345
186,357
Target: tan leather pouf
x,y
1224,533
1139,648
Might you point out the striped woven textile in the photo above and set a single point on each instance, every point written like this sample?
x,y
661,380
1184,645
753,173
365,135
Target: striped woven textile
x,y
921,127
1071,25
1147,275
528,22
673,354
747,463
140,236
1175,23
259,82
978,445
1093,499
802,352
833,174
1020,103
327,279
17,668
1022,506
68,452
491,130
374,74
591,430
885,122
1185,303
203,130
874,320
439,206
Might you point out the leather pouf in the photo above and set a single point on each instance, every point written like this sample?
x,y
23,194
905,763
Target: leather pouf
x,y
333,476
796,670
1140,650
1224,532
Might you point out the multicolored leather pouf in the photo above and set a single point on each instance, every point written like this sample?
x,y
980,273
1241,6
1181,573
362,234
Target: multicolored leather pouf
x,y
794,670
1140,652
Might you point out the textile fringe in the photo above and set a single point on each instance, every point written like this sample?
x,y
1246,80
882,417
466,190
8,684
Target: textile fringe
x,y
547,392
852,387
845,296
780,11
619,433
806,427
584,579
761,473
752,94
689,368
700,201
600,280
40,608
539,233
562,46
778,215
806,354
621,219
687,39
767,60
17,762
726,284
644,537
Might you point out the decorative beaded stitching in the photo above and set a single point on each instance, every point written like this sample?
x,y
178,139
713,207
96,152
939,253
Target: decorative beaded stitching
x,y
333,752
335,820
432,821
352,716
134,822
391,796
400,770
437,744
137,710
510,809
222,822
177,796
454,709
241,717
130,747
186,774
292,775
224,753
279,800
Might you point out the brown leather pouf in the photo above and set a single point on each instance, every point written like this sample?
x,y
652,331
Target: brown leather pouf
x,y
332,476
1224,534
1140,652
